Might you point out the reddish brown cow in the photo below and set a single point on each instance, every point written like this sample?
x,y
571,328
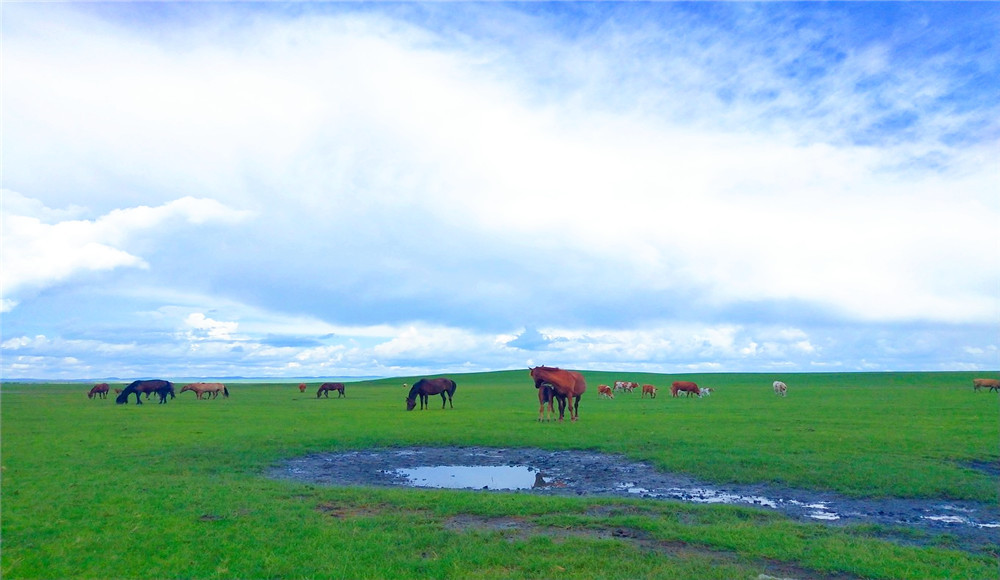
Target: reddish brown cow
x,y
302,387
686,386
605,391
649,390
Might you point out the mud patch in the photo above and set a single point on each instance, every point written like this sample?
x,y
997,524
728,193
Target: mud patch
x,y
582,473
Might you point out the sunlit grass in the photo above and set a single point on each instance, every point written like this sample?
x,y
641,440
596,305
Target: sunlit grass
x,y
91,489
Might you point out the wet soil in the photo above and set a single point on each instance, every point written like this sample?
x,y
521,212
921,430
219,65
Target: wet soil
x,y
975,525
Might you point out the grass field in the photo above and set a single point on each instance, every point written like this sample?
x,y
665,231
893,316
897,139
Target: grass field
x,y
91,489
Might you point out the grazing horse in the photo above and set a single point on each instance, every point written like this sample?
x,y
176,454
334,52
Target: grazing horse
x,y
686,386
302,387
100,390
212,390
649,389
565,385
426,387
605,391
780,388
161,388
325,389
545,395
992,384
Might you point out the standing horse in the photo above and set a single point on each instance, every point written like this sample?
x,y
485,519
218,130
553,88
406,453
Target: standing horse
x,y
780,388
325,389
213,390
565,385
991,384
161,388
686,386
426,387
100,390
545,395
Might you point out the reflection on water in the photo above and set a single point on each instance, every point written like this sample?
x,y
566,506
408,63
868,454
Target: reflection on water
x,y
475,477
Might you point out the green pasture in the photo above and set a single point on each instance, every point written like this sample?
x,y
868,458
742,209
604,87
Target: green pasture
x,y
91,489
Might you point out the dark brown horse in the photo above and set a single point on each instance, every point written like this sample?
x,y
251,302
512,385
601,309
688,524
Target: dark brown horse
x,y
426,387
100,390
161,388
686,386
325,389
545,395
565,385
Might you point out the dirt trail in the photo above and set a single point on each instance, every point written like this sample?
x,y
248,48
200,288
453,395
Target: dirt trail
x,y
587,473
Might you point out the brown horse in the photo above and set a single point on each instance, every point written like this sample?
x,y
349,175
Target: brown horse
x,y
161,388
565,385
325,389
686,386
545,395
207,390
991,384
426,387
100,390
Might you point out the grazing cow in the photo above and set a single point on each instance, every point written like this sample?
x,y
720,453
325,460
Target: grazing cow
x,y
707,391
626,386
605,391
302,387
650,390
992,384
780,388
686,386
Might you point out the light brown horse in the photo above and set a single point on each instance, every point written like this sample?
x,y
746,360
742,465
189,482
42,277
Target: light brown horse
x,y
426,387
992,384
686,386
325,389
211,389
100,390
565,385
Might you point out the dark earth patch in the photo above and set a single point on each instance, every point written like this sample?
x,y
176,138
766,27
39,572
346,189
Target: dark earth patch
x,y
974,525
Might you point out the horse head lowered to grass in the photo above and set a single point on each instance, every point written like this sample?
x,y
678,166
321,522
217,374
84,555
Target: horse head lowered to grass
x,y
161,388
426,387
565,385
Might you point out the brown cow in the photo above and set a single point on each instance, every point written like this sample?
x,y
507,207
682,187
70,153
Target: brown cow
x,y
686,386
650,389
992,384
302,387
605,391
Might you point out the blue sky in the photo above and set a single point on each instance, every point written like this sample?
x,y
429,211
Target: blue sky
x,y
313,189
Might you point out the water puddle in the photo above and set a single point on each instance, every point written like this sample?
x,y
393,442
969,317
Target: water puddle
x,y
496,477
588,473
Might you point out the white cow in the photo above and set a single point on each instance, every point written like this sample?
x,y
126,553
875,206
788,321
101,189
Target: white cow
x,y
780,388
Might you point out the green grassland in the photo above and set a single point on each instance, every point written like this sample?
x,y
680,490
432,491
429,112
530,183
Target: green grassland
x,y
91,489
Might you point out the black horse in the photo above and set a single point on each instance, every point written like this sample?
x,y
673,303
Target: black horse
x,y
425,387
161,388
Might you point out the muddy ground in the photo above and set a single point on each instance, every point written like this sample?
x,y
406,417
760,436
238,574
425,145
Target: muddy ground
x,y
581,473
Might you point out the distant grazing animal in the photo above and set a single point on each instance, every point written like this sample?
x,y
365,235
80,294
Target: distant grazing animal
x,y
325,389
626,386
100,390
649,390
780,388
993,384
605,391
686,386
426,387
207,390
567,386
546,396
117,391
161,388
707,391
302,387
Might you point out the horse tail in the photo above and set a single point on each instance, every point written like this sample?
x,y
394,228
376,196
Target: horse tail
x,y
225,391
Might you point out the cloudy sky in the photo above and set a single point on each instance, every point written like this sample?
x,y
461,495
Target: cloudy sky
x,y
313,189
